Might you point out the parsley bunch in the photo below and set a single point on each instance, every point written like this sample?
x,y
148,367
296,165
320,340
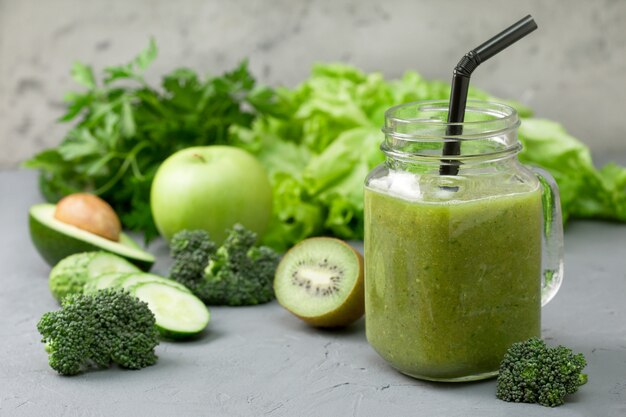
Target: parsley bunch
x,y
125,128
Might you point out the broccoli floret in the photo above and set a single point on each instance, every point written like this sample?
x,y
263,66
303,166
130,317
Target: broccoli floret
x,y
191,250
237,273
532,372
110,326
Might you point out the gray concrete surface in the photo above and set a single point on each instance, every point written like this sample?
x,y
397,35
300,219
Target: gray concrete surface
x,y
258,361
573,69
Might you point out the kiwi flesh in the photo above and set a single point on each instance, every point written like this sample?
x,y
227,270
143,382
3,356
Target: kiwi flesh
x,y
320,280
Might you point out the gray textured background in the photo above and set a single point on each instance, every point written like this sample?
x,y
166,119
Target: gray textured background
x,y
572,70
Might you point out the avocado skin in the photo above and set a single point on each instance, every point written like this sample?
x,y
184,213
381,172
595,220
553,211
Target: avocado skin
x,y
53,245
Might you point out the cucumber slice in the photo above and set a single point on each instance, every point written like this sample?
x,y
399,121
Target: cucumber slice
x,y
179,314
104,281
104,262
141,278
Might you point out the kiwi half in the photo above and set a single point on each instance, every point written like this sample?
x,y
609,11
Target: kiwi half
x,y
320,280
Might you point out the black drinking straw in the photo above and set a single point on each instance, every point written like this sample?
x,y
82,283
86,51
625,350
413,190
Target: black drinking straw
x,y
461,79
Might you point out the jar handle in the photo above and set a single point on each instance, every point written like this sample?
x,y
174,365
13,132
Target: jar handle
x,y
551,237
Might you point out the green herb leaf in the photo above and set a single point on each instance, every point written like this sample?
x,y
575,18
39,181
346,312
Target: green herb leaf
x,y
76,104
121,72
127,128
49,160
145,57
83,75
134,69
80,143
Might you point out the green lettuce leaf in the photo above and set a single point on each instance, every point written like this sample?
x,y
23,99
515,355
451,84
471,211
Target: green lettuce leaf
x,y
585,191
336,178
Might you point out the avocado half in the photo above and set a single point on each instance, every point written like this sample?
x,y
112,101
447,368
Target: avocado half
x,y
56,240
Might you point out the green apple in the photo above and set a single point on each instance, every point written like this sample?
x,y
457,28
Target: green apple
x,y
211,188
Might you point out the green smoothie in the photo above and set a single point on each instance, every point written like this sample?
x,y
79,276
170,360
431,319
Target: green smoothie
x,y
451,283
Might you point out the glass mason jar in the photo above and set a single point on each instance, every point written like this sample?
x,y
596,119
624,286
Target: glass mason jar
x,y
457,267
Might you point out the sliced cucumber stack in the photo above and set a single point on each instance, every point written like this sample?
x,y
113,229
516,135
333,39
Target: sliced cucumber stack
x,y
179,314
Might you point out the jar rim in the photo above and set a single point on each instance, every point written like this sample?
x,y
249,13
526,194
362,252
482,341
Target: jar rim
x,y
419,131
504,118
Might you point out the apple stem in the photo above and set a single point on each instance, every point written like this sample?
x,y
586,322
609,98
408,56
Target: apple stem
x,y
200,157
